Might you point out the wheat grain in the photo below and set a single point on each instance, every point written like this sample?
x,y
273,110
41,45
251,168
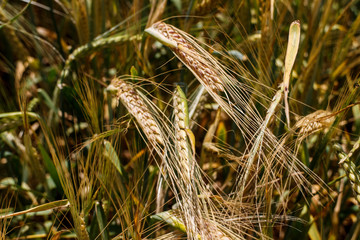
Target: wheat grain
x,y
181,122
137,107
81,231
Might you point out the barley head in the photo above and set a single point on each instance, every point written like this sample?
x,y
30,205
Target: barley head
x,y
137,108
181,125
350,168
314,122
173,38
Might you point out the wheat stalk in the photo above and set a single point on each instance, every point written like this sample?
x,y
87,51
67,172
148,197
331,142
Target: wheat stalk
x,y
137,107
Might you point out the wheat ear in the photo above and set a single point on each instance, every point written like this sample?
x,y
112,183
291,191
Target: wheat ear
x,y
92,47
350,168
314,122
181,126
137,107
84,50
171,37
191,207
197,223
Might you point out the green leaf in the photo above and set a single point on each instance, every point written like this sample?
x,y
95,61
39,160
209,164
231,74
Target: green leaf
x,y
177,4
171,219
134,72
50,167
101,219
221,133
111,155
12,120
47,99
313,231
40,208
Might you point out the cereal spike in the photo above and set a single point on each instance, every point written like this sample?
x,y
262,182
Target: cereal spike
x,y
181,125
171,37
314,122
137,107
350,168
181,99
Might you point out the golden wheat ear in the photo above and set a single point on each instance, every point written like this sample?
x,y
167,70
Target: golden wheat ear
x,y
198,65
314,122
137,107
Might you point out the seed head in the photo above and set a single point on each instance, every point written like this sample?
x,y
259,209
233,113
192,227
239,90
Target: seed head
x,y
185,51
137,107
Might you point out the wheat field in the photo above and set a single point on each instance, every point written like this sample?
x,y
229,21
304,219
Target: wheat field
x,y
194,119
